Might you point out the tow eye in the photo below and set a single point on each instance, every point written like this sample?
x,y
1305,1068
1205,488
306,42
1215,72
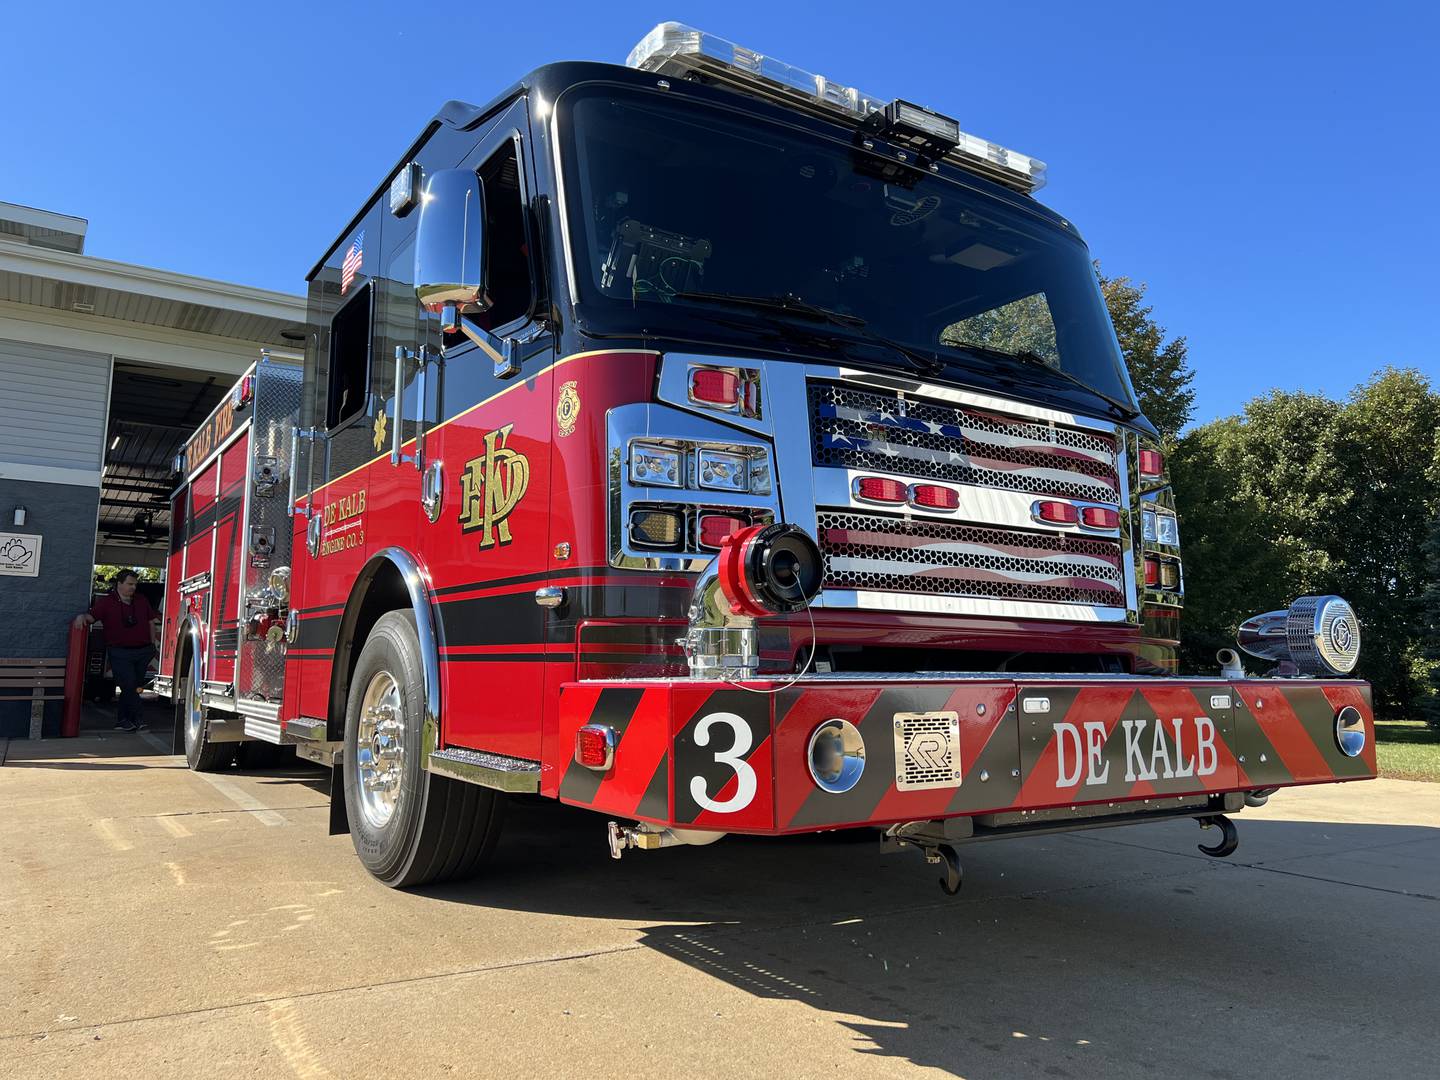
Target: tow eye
x,y
933,840
1229,836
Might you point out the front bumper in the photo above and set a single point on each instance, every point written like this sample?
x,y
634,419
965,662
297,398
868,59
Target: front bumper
x,y
713,755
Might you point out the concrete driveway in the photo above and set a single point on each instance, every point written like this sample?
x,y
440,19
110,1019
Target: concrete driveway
x,y
156,922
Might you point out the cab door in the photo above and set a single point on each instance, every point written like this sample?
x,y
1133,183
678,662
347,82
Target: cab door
x,y
486,541
334,528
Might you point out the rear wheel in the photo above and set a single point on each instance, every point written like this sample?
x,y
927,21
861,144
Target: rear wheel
x,y
409,826
201,754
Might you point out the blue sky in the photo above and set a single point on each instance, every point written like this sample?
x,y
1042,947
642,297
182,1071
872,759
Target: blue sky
x,y
1267,168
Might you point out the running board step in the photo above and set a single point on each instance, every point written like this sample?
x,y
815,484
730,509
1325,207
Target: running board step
x,y
306,727
486,769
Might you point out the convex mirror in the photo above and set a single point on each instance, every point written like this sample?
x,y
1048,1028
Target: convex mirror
x,y
450,263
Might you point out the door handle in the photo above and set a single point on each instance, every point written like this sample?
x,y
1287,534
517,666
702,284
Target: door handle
x,y
422,359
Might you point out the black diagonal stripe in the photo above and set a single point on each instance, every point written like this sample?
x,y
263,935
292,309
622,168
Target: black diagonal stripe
x,y
615,706
999,763
1262,762
1245,739
877,727
1317,716
655,803
693,761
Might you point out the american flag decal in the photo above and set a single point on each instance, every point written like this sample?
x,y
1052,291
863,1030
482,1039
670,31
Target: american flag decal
x,y
354,259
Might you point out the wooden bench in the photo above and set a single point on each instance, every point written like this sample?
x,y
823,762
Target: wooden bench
x,y
35,681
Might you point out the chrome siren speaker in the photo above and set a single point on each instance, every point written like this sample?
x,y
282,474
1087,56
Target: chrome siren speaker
x,y
1320,635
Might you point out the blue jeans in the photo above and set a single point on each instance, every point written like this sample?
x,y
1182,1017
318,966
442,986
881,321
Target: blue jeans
x,y
129,665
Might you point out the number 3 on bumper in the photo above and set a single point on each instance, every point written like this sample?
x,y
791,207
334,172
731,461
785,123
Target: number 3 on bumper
x,y
744,775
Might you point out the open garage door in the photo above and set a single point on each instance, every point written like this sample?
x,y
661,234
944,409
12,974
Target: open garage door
x,y
153,410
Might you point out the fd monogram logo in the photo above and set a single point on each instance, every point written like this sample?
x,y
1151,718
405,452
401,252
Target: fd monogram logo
x,y
491,487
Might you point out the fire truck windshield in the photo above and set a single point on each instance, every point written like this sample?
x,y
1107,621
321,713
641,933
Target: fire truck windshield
x,y
676,207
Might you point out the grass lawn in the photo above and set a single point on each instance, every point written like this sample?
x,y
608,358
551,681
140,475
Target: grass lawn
x,y
1408,750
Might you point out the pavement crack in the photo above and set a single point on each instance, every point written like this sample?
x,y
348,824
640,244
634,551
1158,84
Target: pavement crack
x,y
273,999
1337,881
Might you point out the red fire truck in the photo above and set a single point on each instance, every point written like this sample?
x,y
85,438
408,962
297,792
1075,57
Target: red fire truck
x,y
222,647
717,447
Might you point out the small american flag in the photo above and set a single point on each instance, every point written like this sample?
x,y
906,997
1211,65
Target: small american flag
x,y
354,258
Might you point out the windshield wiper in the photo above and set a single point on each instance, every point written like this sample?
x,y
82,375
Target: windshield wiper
x,y
795,305
1029,356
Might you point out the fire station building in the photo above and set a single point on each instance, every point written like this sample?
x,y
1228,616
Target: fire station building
x,y
105,369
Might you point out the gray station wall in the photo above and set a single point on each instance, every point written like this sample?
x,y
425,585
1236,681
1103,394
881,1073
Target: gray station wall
x,y
35,613
53,406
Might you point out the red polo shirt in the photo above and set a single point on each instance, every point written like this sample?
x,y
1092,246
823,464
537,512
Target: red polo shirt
x,y
115,614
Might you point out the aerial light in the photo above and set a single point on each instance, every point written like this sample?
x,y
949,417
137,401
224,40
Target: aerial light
x,y
683,52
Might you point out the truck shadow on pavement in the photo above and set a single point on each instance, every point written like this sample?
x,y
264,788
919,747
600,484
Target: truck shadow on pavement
x,y
1110,953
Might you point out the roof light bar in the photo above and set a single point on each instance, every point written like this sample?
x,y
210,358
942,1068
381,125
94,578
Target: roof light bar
x,y
675,49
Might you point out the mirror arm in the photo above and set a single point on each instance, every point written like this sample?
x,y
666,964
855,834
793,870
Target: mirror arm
x,y
507,356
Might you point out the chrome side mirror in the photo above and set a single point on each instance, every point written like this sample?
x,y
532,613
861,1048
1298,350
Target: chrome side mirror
x,y
450,258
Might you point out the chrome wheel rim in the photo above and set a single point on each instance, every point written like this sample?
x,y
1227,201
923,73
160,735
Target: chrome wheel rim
x,y
194,712
379,749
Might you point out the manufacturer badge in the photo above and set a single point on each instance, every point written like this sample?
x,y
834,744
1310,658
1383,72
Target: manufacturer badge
x,y
567,409
927,750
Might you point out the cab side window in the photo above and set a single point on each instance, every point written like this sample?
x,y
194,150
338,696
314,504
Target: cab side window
x,y
512,281
349,388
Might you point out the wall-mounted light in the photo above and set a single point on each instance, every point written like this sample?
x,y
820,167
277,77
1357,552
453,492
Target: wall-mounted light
x,y
115,441
19,516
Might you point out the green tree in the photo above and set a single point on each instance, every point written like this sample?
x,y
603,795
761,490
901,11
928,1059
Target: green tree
x,y
1430,622
1159,369
1302,495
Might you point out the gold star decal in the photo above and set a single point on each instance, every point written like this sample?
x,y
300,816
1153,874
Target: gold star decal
x,y
379,432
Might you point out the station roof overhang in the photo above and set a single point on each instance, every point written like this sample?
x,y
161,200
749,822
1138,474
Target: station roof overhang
x,y
79,301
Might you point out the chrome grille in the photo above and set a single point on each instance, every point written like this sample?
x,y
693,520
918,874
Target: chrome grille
x,y
875,551
861,429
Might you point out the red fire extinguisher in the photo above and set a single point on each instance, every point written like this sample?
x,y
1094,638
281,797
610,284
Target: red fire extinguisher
x,y
75,678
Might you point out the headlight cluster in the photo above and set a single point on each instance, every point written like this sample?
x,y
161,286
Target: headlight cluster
x,y
1161,528
700,466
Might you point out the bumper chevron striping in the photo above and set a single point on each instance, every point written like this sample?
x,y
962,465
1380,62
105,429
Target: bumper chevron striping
x,y
1095,742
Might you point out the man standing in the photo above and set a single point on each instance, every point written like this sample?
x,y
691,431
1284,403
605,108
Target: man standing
x,y
131,630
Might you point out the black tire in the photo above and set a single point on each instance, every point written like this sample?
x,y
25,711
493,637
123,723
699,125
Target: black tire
x,y
438,828
201,754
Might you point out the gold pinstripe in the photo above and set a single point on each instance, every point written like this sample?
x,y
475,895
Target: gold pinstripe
x,y
478,404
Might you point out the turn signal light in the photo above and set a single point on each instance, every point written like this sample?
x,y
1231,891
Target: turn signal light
x,y
1056,513
714,528
243,393
655,528
881,489
935,497
1100,517
1152,464
715,387
595,747
1169,575
1152,572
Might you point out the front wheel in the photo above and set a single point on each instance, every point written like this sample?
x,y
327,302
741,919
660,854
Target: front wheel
x,y
201,754
409,826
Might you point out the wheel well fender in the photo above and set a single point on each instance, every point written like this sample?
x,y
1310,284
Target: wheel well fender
x,y
189,652
392,580
189,649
